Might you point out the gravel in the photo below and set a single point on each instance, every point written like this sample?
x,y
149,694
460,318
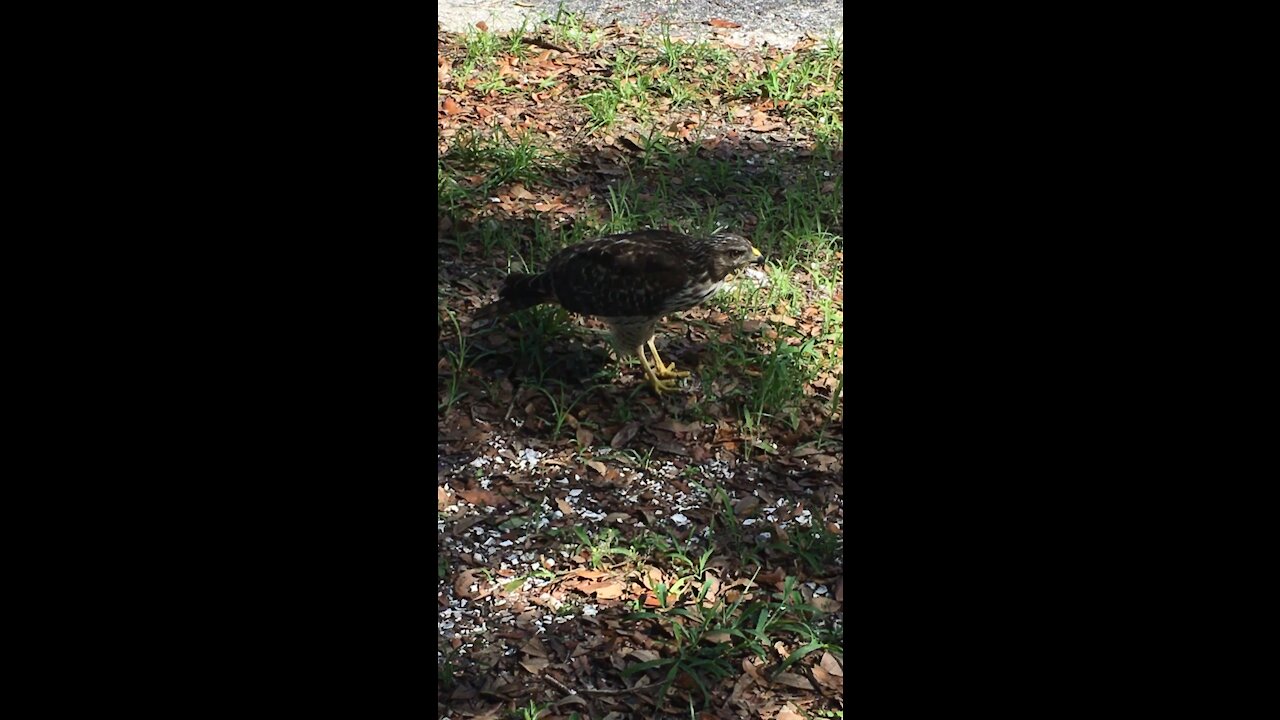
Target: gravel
x,y
779,23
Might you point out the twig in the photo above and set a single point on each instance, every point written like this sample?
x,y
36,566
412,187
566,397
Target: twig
x,y
592,691
546,44
623,691
559,685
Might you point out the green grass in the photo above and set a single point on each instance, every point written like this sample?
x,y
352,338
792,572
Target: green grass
x,y
568,28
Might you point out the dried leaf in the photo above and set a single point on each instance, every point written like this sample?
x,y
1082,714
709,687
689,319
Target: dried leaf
x,y
831,665
605,590
826,679
585,437
482,498
469,584
825,604
451,107
717,22
746,506
624,435
798,682
535,665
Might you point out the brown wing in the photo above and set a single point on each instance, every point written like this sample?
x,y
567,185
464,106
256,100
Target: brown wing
x,y
632,274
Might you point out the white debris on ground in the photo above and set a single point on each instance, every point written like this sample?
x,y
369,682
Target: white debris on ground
x,y
507,584
756,276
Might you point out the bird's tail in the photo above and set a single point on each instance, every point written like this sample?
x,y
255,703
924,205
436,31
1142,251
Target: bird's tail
x,y
519,291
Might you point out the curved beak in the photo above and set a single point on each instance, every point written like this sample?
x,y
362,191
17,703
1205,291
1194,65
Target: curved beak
x,y
756,257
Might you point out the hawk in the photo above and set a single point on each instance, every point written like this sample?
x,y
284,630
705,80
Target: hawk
x,y
630,281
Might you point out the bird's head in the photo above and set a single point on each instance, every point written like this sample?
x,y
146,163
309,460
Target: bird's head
x,y
729,252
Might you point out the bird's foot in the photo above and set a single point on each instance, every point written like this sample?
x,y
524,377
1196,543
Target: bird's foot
x,y
661,375
661,385
662,369
667,372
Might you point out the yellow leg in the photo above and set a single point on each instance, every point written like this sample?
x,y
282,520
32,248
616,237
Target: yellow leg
x,y
665,372
659,385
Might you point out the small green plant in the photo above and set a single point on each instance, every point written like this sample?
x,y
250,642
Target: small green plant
x,y
482,46
561,406
817,546
568,28
603,106
532,712
603,547
457,365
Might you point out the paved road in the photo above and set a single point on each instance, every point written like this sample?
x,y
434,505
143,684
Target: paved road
x,y
778,22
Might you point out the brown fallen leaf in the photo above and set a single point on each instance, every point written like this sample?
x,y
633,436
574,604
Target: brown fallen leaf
x,y
482,498
482,26
519,192
793,680
788,713
632,141
746,506
624,435
470,584
717,22
535,666
451,107
604,590
505,69
827,680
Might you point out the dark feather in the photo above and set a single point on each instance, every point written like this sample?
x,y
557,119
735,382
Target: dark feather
x,y
630,274
641,274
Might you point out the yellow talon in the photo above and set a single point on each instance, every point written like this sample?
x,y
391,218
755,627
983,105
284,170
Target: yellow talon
x,y
664,371
662,378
